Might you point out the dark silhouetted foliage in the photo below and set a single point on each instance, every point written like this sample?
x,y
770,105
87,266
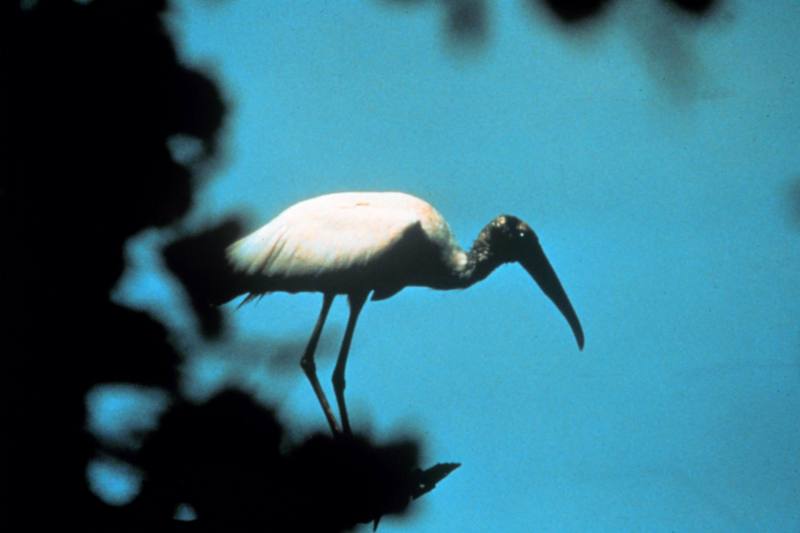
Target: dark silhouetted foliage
x,y
224,460
696,7
199,262
576,10
97,93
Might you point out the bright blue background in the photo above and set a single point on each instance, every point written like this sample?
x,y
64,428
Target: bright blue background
x,y
655,158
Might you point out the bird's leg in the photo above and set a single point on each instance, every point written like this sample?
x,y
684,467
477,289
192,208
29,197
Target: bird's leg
x,y
310,368
356,302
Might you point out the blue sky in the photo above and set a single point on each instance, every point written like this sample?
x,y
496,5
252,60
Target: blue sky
x,y
654,159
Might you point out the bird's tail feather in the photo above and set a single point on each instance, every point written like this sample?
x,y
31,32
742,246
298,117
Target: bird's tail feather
x,y
199,261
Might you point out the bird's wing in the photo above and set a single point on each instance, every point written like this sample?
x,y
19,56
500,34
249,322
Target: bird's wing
x,y
313,238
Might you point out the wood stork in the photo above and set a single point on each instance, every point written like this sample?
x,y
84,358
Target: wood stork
x,y
354,243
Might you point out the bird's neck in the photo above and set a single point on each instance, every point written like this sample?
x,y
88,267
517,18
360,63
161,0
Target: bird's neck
x,y
481,261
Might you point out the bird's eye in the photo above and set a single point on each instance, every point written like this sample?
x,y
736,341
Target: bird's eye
x,y
521,234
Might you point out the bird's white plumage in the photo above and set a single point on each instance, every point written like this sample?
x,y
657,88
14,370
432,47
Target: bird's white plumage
x,y
337,233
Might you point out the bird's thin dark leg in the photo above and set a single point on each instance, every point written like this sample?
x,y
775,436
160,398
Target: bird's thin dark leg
x,y
310,368
356,303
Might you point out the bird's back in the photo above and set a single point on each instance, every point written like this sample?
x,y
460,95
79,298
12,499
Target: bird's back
x,y
346,241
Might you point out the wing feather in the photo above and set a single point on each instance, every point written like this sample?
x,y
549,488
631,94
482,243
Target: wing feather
x,y
327,235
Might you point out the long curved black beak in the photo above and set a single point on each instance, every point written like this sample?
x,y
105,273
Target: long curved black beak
x,y
537,265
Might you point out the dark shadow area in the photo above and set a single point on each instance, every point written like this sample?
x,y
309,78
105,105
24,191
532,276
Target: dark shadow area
x,y
96,94
667,48
466,20
696,7
573,11
577,11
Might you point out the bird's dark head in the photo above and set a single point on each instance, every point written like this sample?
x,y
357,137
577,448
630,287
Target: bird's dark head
x,y
508,239
507,236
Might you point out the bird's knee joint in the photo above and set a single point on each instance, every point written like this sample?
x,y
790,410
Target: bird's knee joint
x,y
307,364
338,381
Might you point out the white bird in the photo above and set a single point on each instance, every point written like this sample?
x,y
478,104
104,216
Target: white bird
x,y
355,243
